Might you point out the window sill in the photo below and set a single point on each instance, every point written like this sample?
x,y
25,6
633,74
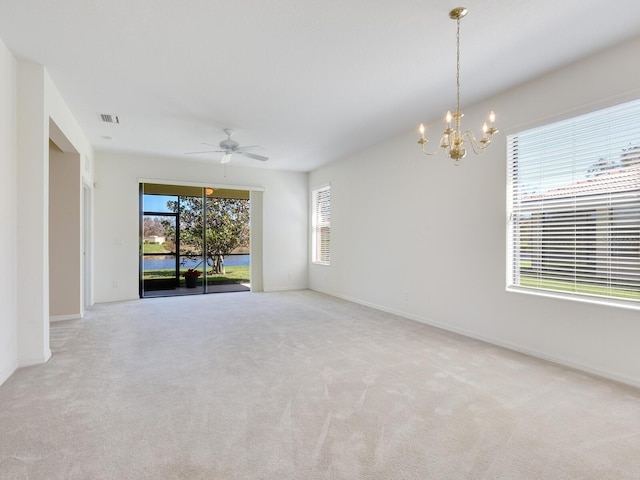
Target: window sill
x,y
605,302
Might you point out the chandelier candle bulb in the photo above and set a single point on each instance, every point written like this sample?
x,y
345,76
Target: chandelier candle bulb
x,y
422,139
453,138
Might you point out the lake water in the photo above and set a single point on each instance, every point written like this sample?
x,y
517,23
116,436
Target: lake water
x,y
162,263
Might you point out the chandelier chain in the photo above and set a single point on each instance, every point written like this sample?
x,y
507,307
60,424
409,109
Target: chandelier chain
x,y
458,67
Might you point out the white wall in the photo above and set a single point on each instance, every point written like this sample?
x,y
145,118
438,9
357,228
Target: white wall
x,y
39,107
420,237
8,214
117,218
33,215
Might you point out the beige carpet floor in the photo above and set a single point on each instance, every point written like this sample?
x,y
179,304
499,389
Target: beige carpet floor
x,y
297,385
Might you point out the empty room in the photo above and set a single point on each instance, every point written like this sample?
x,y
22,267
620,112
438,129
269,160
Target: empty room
x,y
284,240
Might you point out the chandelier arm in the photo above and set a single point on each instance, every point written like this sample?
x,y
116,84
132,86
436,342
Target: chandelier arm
x,y
479,147
441,144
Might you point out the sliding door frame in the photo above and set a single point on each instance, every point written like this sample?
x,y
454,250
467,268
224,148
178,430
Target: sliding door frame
x,y
256,194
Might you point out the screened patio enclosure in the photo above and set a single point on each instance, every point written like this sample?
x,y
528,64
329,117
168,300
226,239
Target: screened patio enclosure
x,y
193,240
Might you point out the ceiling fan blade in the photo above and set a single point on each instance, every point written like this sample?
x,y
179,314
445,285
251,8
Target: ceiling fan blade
x,y
254,156
248,147
226,158
205,151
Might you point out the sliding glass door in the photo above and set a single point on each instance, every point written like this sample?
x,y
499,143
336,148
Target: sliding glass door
x,y
227,243
193,240
191,233
159,261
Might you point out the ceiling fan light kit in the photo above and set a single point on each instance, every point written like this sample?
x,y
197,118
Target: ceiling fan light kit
x,y
453,139
229,147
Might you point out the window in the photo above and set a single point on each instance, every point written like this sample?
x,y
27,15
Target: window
x,y
574,206
321,248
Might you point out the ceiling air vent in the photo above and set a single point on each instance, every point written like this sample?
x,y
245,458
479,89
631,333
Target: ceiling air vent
x,y
108,118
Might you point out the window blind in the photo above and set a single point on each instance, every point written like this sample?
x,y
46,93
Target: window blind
x,y
574,205
322,225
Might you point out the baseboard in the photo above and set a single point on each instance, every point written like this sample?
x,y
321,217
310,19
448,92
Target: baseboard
x,y
116,300
284,289
60,318
634,382
8,371
28,362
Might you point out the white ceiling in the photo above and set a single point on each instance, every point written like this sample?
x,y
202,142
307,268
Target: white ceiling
x,y
310,81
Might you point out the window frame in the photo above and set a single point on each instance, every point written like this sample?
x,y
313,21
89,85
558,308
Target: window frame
x,y
524,154
321,225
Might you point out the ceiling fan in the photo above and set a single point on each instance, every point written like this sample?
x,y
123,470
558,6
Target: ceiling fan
x,y
228,147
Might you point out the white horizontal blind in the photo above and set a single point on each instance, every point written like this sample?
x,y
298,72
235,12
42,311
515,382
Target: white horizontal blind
x,y
321,225
574,205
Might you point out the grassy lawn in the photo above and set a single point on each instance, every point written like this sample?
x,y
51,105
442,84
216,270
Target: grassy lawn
x,y
153,248
571,287
233,275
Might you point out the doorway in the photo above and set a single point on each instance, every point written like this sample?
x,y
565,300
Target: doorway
x,y
193,240
65,233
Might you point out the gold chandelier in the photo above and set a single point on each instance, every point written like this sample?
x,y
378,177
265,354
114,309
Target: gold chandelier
x,y
453,139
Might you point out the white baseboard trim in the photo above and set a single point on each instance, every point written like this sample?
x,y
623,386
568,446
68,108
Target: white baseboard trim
x,y
60,318
117,300
284,289
8,371
634,382
28,362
